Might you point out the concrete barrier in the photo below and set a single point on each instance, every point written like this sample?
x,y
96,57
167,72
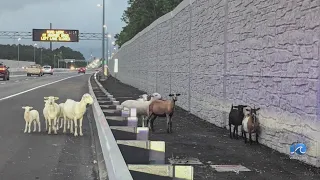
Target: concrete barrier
x,y
116,167
157,172
145,152
144,159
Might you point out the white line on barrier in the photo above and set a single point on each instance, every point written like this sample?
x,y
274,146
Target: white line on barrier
x,y
22,92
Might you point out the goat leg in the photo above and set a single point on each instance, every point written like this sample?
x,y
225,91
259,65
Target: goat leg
x,y
257,136
245,137
25,127
147,121
75,127
152,121
230,130
61,122
234,131
80,126
49,128
39,124
46,121
55,125
29,127
34,126
64,124
250,137
168,123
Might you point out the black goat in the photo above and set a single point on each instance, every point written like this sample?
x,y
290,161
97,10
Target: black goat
x,y
235,118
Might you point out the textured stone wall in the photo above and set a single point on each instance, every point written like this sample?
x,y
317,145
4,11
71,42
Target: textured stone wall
x,y
219,52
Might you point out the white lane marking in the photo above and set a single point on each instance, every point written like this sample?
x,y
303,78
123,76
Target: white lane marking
x,y
16,81
3,83
22,92
26,79
26,74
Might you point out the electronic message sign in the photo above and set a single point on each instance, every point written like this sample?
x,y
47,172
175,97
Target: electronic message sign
x,y
55,35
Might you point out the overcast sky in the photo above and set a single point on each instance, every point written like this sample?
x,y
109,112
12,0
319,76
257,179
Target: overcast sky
x,y
84,15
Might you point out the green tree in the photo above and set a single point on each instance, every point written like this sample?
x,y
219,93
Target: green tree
x,y
48,56
140,14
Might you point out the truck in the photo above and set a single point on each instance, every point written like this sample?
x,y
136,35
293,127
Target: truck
x,y
4,72
34,69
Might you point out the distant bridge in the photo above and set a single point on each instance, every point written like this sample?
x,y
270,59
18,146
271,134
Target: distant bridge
x,y
28,35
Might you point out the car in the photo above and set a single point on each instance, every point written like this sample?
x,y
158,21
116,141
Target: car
x,y
82,70
4,72
46,69
34,69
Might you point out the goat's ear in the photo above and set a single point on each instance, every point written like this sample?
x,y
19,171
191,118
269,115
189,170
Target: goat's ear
x,y
247,109
45,97
140,96
23,107
56,98
170,95
178,94
257,109
30,107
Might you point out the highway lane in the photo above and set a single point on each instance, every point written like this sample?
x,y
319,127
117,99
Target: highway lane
x,y
23,73
39,155
22,83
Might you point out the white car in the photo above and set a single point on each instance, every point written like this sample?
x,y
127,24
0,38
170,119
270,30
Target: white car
x,y
46,69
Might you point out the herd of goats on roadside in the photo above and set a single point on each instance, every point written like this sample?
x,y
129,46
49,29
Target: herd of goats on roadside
x,y
148,108
156,107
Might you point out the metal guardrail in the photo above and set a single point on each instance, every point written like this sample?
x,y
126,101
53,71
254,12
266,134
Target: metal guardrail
x,y
117,168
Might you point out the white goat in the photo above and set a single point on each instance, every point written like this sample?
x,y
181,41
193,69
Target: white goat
x,y
61,119
143,97
29,117
74,110
51,111
141,106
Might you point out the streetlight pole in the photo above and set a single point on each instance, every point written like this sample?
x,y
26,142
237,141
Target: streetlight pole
x,y
103,36
54,60
34,53
41,56
19,51
108,36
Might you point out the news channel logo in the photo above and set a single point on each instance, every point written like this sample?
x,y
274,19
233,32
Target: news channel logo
x,y
298,148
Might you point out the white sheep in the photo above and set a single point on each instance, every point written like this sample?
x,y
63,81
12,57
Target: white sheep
x,y
143,97
61,119
142,107
29,117
75,110
51,111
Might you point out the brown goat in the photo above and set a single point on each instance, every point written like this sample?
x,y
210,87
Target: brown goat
x,y
250,125
162,108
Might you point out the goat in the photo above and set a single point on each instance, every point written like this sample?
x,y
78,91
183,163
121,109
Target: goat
x,y
235,118
74,110
162,108
141,106
51,112
250,125
29,117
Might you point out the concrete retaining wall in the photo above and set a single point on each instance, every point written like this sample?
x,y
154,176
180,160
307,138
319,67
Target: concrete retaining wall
x,y
262,53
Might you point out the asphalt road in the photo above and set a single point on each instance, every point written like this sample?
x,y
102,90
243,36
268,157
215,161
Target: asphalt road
x,y
23,73
199,143
39,155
